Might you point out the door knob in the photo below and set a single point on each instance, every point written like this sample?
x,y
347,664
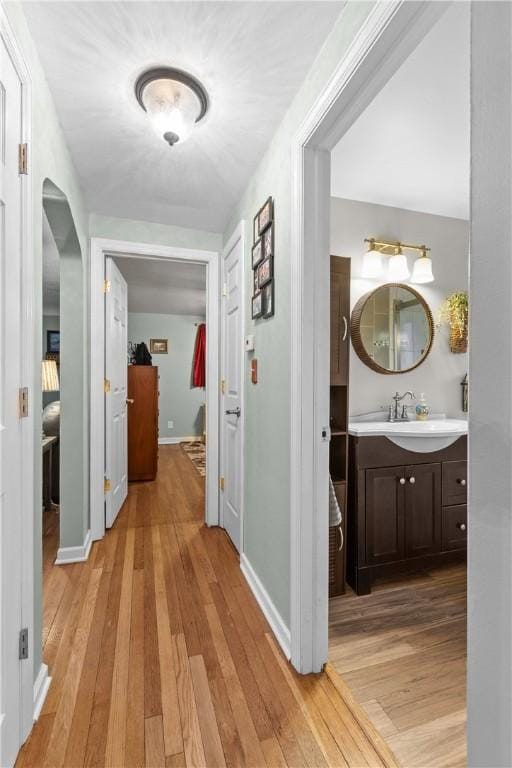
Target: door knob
x,y
234,412
412,480
130,400
402,481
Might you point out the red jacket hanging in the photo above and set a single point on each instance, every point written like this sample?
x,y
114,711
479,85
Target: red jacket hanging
x,y
199,365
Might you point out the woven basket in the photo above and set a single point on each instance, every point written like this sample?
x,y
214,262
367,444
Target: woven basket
x,y
458,344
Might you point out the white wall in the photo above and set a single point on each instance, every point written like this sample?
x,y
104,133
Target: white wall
x,y
179,402
441,373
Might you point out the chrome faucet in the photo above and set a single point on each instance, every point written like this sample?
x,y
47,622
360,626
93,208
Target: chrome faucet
x,y
395,412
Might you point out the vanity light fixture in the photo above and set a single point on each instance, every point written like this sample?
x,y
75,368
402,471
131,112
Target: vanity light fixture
x,y
398,268
174,101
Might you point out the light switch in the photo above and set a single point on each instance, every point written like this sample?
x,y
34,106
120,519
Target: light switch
x,y
249,343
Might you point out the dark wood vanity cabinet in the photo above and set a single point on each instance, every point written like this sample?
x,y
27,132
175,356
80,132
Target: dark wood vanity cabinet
x,y
340,319
406,510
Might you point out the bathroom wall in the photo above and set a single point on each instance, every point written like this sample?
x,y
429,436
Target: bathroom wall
x,y
50,323
441,373
179,402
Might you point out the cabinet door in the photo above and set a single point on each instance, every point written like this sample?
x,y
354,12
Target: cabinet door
x,y
340,314
423,509
455,527
385,499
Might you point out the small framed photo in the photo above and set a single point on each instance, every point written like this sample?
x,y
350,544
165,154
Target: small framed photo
x,y
265,216
265,272
257,253
158,346
268,242
53,342
268,299
257,306
255,285
255,233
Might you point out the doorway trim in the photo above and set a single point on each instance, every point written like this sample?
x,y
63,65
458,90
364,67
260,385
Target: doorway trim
x,y
33,687
100,249
389,34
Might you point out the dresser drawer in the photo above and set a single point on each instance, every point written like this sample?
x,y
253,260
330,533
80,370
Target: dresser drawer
x,y
454,482
455,527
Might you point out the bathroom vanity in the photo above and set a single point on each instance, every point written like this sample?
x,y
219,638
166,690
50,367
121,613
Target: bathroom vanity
x,y
407,497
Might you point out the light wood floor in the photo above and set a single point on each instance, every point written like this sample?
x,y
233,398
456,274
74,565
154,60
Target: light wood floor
x,y
402,651
160,656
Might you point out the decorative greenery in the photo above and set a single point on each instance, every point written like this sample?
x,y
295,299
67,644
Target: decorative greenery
x,y
454,311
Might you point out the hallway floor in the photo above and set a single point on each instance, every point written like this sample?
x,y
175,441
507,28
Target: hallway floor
x,y
160,656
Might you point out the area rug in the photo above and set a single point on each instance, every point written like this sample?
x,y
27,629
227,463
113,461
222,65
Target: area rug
x,y
196,451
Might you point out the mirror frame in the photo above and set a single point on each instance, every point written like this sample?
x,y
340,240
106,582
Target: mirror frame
x,y
355,329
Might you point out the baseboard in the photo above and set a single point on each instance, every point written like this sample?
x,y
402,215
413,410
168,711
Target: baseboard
x,y
272,615
41,687
75,554
176,440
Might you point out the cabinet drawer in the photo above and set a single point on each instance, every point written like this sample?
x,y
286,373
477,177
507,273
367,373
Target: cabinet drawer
x,y
455,522
454,482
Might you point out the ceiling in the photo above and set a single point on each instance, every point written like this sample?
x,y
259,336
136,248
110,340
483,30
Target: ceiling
x,y
410,148
163,287
251,57
51,272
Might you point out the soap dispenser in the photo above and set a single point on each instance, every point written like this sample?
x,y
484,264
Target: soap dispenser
x,y
422,409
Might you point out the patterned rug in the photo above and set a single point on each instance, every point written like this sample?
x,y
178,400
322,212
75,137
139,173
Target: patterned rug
x,y
196,451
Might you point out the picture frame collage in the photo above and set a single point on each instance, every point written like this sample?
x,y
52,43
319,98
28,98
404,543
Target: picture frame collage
x,y
263,262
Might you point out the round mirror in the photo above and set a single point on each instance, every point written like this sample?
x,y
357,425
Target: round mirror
x,y
392,328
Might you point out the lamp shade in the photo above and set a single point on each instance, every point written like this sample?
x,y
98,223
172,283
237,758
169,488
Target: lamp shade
x,y
422,270
173,108
398,268
372,265
50,376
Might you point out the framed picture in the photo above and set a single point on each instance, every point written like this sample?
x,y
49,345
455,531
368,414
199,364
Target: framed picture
x,y
255,286
257,306
265,216
255,233
265,272
158,346
257,253
268,299
268,242
53,342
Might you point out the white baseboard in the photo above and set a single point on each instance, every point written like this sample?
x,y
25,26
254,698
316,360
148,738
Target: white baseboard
x,y
176,440
41,687
272,615
75,554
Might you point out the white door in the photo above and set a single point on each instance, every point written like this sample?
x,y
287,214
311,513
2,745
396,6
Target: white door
x,y
232,376
116,360
10,413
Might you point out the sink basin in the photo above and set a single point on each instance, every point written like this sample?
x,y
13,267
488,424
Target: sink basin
x,y
418,436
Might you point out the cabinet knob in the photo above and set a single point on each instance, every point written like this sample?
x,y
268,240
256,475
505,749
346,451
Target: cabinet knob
x,y
402,481
130,400
462,526
412,480
462,481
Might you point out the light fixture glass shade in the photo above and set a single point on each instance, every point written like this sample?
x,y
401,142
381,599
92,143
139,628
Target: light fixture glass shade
x,y
372,265
422,270
398,268
50,376
173,108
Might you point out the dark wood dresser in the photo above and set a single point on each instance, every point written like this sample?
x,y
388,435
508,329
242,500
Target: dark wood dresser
x,y
142,422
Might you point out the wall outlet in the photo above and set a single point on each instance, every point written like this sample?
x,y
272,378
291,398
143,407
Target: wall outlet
x,y
170,425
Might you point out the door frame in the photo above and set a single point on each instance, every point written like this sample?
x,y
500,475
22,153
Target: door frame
x,y
389,34
100,249
33,688
238,235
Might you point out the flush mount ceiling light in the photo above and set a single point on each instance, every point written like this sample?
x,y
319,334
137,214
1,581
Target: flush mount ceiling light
x,y
174,101
397,269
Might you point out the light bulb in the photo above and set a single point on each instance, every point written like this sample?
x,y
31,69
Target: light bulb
x,y
422,270
398,268
372,265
